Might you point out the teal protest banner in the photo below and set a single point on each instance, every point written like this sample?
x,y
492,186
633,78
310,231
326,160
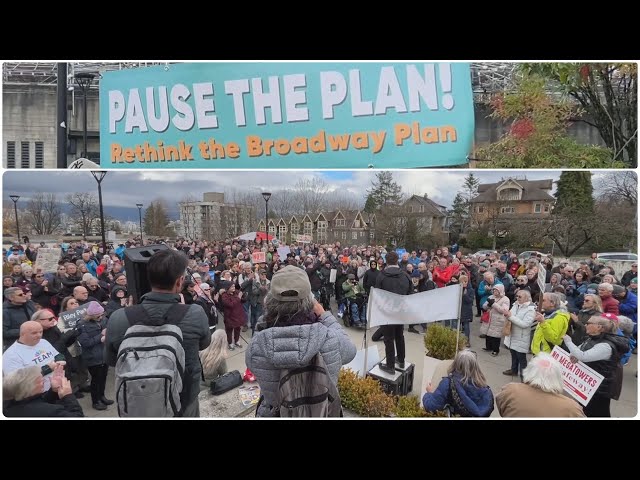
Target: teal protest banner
x,y
287,115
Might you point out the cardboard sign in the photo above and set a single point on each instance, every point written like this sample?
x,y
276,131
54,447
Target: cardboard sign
x,y
47,259
283,252
258,257
580,381
70,319
333,275
303,238
357,364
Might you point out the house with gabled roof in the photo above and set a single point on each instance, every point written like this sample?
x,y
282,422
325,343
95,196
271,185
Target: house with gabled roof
x,y
513,197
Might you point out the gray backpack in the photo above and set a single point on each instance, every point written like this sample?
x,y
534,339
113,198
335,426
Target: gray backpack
x,y
308,391
151,364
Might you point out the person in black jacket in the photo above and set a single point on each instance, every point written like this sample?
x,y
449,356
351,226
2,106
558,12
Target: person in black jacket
x,y
60,341
117,300
165,272
15,311
394,279
92,334
368,281
22,394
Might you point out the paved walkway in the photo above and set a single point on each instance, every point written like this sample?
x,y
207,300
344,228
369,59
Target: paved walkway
x,y
492,367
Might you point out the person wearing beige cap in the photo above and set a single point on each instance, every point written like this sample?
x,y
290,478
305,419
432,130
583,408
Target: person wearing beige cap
x,y
295,327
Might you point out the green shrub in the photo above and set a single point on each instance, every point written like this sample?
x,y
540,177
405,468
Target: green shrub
x,y
364,395
440,342
409,406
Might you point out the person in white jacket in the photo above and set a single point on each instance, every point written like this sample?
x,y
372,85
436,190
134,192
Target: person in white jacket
x,y
521,317
498,305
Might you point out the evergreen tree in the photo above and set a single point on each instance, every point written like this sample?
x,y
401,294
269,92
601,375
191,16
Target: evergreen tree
x,y
575,193
156,219
384,191
149,216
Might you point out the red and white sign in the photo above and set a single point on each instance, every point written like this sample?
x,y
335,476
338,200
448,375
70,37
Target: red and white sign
x,y
258,257
580,381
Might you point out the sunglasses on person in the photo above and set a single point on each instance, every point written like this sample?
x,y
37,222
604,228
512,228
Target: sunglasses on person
x,y
39,276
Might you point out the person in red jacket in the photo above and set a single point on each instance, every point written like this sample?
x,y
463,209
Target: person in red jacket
x,y
234,316
443,272
609,304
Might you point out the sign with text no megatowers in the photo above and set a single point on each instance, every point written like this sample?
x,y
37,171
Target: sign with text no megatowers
x,y
47,259
580,381
285,115
258,257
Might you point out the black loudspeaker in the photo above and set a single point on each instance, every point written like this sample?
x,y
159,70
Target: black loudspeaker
x,y
135,264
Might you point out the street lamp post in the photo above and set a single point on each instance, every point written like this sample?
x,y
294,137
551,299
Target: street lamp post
x,y
84,81
266,196
15,199
139,205
99,176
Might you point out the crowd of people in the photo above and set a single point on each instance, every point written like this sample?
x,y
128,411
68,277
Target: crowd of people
x,y
586,308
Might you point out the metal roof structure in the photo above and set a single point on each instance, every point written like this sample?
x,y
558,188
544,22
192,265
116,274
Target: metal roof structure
x,y
46,73
486,77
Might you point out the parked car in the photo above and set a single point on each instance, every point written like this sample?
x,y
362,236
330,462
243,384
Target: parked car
x,y
484,253
618,256
524,256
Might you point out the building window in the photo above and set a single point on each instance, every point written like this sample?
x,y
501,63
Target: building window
x,y
372,234
308,228
340,222
322,224
294,228
354,235
24,154
481,209
344,235
361,234
537,208
356,224
410,208
507,210
11,154
421,208
546,208
39,154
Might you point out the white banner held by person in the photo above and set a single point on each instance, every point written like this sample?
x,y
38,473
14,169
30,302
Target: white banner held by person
x,y
580,381
47,259
386,308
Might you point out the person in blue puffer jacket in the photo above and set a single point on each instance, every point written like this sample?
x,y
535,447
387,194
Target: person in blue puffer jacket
x,y
469,396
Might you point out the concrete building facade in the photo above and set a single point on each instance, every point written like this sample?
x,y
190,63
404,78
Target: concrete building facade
x,y
213,219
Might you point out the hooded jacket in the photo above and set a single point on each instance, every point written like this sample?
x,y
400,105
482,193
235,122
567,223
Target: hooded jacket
x,y
114,302
476,400
281,348
394,279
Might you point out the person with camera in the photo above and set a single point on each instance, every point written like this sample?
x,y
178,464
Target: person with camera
x,y
294,329
354,295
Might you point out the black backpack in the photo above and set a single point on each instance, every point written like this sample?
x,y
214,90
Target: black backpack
x,y
308,392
